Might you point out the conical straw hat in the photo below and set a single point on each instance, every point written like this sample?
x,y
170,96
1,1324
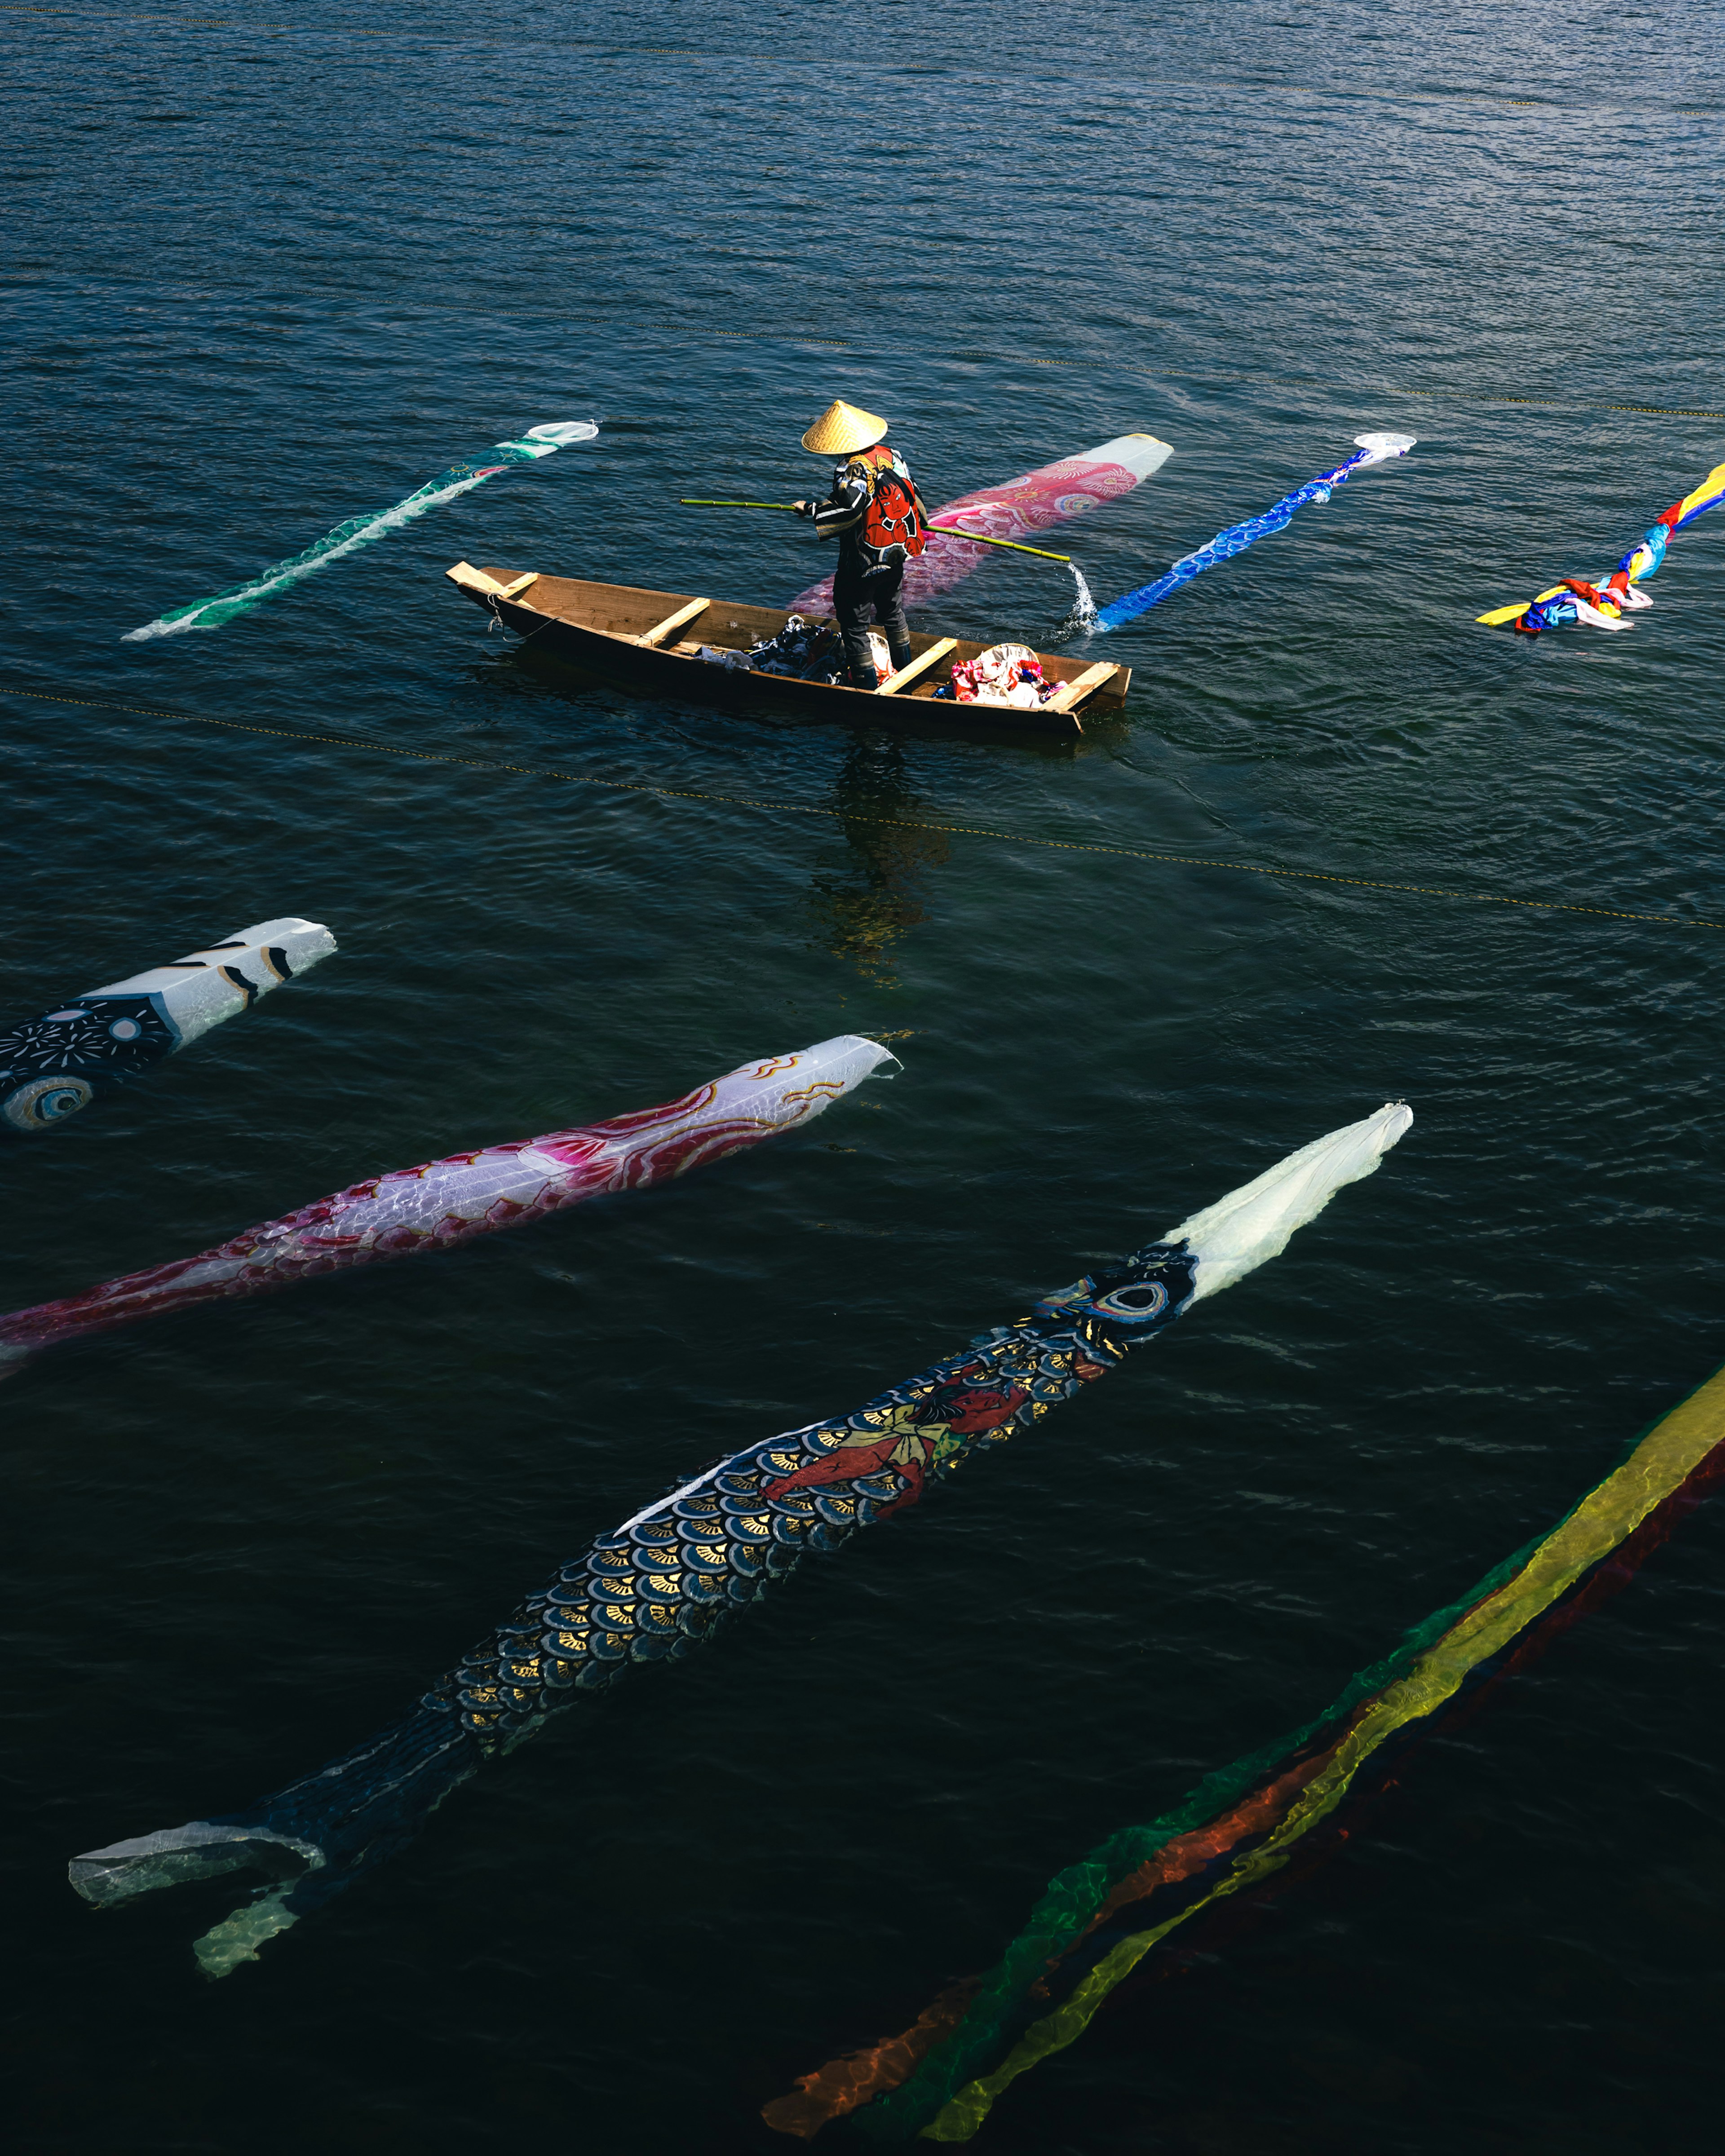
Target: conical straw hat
x,y
842,428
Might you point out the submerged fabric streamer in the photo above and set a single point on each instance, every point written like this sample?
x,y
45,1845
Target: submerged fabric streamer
x,y
1373,449
443,1202
1601,602
361,530
653,1587
1099,1918
1018,509
52,1067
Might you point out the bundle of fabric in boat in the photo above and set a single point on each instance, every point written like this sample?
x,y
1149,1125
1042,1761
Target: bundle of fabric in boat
x,y
1009,674
805,649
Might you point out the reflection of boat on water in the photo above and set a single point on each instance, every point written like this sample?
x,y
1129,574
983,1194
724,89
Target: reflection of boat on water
x,y
866,899
653,640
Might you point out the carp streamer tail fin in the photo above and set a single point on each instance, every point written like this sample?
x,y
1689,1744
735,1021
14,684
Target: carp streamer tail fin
x,y
1099,1918
308,1840
1254,1224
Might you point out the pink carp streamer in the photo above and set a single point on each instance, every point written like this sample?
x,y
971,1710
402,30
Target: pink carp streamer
x,y
445,1202
1018,509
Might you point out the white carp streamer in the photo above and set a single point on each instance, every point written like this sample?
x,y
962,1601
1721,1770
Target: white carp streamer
x,y
361,530
1252,1225
52,1067
446,1202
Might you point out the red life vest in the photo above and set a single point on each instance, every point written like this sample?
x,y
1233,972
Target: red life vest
x,y
894,529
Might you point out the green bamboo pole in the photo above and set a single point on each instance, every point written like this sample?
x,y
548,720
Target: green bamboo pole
x,y
952,531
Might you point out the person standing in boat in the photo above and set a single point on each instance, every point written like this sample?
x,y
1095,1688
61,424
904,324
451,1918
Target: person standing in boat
x,y
876,516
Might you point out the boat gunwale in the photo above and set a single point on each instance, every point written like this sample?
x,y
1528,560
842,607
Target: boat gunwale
x,y
731,624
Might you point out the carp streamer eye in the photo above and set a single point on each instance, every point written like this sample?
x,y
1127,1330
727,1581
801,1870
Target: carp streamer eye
x,y
1143,1299
45,1100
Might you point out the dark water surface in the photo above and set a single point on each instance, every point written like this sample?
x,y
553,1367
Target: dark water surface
x,y
278,267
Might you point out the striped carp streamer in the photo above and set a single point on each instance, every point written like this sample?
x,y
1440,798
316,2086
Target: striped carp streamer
x,y
361,530
653,1587
1099,1918
1018,508
1373,449
444,1203
52,1067
1603,603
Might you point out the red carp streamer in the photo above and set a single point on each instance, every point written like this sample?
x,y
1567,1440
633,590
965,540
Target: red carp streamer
x,y
1099,1918
444,1203
1018,508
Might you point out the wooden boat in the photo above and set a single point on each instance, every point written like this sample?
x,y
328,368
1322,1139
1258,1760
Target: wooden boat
x,y
651,640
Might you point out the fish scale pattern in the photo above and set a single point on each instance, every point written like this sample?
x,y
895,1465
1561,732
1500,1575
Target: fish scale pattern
x,y
647,1592
652,1588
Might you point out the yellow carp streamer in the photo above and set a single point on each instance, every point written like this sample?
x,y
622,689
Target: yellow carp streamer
x,y
1239,1827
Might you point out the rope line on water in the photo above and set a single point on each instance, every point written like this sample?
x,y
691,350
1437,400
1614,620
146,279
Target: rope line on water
x,y
606,48
854,816
695,330
1185,374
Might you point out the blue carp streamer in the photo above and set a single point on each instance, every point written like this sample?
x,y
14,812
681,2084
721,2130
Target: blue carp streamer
x,y
655,1586
361,530
1373,449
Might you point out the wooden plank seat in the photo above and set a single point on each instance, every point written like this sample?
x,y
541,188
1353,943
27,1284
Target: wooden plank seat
x,y
1073,692
661,629
918,667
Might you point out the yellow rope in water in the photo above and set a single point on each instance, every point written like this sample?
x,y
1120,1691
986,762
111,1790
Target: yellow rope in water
x,y
851,815
616,48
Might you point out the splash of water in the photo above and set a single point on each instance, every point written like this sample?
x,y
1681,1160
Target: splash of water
x,y
1082,620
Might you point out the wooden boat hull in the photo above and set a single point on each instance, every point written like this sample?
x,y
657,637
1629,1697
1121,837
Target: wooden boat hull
x,y
648,640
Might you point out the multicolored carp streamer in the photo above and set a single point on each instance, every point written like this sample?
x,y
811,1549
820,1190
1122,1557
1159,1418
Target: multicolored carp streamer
x,y
653,1587
1602,603
52,1067
444,1203
1373,449
361,530
1100,1917
1018,509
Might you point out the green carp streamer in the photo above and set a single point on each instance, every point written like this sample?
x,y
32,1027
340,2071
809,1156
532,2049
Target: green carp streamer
x,y
941,2078
361,530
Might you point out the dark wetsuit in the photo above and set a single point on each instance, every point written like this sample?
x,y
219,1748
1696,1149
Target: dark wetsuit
x,y
862,587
